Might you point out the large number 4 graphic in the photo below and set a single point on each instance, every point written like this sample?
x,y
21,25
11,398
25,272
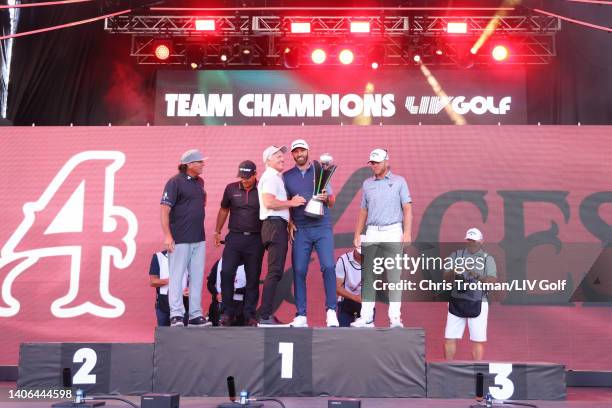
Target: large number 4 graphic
x,y
504,388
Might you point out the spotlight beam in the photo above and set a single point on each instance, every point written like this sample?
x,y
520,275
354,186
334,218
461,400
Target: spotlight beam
x,y
605,2
67,25
571,20
437,88
232,9
42,4
493,23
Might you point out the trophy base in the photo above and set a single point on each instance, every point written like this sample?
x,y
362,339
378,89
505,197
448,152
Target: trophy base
x,y
310,215
314,209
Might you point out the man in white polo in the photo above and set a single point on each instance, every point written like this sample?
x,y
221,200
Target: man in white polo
x,y
274,213
386,210
482,268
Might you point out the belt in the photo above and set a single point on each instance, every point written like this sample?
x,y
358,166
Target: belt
x,y
275,218
245,232
385,227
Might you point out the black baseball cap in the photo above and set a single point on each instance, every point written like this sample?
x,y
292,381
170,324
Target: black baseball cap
x,y
246,169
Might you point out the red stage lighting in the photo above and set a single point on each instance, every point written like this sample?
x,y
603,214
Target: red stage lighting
x,y
346,56
318,56
300,28
500,53
205,25
376,56
162,50
360,26
456,28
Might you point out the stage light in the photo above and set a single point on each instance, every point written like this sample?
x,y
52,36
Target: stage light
x,y
318,56
360,26
375,56
416,58
162,50
456,28
194,56
439,51
290,56
300,28
500,53
225,53
247,53
205,25
466,60
346,56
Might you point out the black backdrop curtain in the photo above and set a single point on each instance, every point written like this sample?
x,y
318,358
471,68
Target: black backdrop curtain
x,y
80,75
83,75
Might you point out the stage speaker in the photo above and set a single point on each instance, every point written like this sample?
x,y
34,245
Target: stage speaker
x,y
153,400
343,403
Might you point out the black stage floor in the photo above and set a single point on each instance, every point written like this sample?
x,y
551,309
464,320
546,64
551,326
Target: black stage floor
x,y
577,398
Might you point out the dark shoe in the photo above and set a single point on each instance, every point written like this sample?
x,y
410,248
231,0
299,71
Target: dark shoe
x,y
199,322
176,321
271,321
252,323
226,321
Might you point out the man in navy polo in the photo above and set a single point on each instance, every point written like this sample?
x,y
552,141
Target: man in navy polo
x,y
309,233
243,244
182,220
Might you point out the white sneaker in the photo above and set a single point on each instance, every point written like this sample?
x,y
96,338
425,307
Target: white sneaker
x,y
361,322
332,319
299,321
395,322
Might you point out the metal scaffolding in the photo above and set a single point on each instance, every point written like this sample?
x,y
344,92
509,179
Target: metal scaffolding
x,y
399,37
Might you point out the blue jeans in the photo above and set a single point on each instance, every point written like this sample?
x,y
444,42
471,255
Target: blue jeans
x,y
186,258
322,240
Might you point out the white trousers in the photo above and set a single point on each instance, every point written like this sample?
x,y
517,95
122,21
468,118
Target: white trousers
x,y
390,233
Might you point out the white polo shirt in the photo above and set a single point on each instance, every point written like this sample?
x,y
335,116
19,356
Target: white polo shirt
x,y
349,269
271,182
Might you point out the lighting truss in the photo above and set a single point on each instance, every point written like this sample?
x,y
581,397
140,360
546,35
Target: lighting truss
x,y
398,35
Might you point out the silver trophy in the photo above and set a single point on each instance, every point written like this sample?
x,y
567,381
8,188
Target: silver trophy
x,y
323,171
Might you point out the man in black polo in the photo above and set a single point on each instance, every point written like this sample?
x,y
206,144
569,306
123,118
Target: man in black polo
x,y
182,220
242,244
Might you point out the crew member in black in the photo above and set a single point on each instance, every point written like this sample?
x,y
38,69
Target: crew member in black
x,y
242,244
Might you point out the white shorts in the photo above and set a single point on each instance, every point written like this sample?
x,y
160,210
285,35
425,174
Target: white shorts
x,y
455,325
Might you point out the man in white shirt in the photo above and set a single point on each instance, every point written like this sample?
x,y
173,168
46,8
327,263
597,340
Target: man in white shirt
x,y
158,278
348,286
274,213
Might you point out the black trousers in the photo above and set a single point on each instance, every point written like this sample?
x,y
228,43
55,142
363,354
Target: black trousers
x,y
275,240
241,249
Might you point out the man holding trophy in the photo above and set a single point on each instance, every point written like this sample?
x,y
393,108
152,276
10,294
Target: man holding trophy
x,y
311,227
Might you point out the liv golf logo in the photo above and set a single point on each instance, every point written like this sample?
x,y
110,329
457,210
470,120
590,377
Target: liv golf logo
x,y
77,232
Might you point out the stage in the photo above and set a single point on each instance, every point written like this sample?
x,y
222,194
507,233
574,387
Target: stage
x,y
576,398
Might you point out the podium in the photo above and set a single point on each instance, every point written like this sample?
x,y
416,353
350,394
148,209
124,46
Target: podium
x,y
504,380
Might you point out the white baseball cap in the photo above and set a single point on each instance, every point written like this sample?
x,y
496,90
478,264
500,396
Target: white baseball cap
x,y
270,150
474,234
192,155
378,155
299,143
